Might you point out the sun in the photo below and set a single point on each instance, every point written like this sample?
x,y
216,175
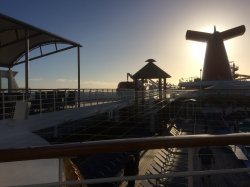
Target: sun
x,y
198,50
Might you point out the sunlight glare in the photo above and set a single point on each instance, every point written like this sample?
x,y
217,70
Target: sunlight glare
x,y
198,51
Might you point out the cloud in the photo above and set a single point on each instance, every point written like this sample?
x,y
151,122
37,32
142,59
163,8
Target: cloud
x,y
65,80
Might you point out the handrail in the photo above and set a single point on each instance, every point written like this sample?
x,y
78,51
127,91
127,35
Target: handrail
x,y
141,177
52,100
118,145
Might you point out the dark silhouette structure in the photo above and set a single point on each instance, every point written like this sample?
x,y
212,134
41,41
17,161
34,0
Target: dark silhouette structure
x,y
151,71
216,64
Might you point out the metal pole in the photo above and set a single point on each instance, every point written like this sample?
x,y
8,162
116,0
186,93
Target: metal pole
x,y
160,89
79,81
0,80
200,91
3,104
27,64
54,100
60,172
190,166
9,80
200,74
195,120
40,101
165,87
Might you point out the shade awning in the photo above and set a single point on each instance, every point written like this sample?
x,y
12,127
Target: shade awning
x,y
150,71
13,35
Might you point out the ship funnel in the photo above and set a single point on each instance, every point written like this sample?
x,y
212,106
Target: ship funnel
x,y
216,64
197,36
231,33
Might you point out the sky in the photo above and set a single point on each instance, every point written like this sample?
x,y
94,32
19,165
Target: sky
x,y
118,36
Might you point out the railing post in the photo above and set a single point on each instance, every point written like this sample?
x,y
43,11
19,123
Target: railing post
x,y
60,174
65,100
103,96
112,95
77,99
107,95
3,105
90,97
83,97
190,166
23,95
40,96
54,99
96,95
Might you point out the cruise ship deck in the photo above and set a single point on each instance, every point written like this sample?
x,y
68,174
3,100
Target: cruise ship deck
x,y
150,135
173,116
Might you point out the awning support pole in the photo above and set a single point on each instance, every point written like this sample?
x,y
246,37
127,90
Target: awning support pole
x,y
79,81
27,64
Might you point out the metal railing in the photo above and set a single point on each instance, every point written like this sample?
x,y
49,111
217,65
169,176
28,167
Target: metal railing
x,y
119,145
89,148
51,100
54,100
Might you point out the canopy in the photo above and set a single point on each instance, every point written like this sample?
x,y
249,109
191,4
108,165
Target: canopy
x,y
17,39
150,71
13,38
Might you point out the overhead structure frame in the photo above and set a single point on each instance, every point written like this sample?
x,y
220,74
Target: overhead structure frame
x,y
18,39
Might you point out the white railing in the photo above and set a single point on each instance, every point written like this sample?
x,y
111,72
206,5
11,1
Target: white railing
x,y
51,100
